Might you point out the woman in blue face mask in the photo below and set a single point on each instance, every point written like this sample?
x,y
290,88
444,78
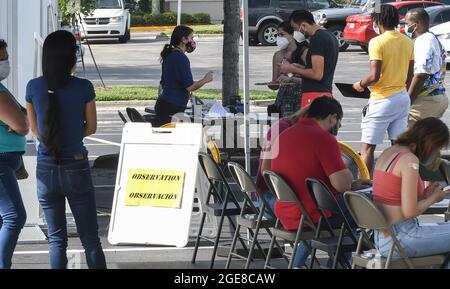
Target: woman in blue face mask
x,y
401,195
176,80
292,48
13,128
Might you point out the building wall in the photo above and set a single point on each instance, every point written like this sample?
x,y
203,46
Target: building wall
x,y
212,7
19,21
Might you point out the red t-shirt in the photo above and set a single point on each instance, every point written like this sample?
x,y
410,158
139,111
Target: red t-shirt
x,y
305,150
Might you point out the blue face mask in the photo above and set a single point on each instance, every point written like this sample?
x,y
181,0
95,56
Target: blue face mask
x,y
409,31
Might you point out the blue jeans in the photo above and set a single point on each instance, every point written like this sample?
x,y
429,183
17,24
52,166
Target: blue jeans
x,y
270,198
12,211
417,240
70,179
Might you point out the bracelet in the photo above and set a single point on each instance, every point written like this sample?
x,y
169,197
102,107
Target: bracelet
x,y
360,84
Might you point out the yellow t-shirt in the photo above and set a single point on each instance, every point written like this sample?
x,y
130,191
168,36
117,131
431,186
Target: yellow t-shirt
x,y
395,51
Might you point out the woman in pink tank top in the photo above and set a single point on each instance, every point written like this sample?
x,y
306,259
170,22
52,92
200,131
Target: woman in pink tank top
x,y
399,191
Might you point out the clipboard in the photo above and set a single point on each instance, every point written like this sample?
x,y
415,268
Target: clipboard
x,y
347,91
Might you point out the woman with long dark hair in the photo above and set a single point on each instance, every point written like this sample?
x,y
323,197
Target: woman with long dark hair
x,y
13,128
176,80
61,110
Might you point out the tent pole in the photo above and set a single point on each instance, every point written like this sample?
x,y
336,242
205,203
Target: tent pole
x,y
246,87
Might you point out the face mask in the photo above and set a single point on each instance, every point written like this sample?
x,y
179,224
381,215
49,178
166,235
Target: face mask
x,y
376,29
5,69
304,32
409,31
190,46
299,37
282,42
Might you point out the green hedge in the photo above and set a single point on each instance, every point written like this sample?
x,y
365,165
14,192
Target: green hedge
x,y
169,18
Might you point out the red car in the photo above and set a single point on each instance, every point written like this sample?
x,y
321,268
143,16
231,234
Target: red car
x,y
359,29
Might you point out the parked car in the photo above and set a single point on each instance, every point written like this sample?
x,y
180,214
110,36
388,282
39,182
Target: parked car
x,y
359,29
110,19
442,31
266,15
334,19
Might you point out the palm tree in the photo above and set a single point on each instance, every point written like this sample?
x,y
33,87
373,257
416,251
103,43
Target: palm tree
x,y
231,36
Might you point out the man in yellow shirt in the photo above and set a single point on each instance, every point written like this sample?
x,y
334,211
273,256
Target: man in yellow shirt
x,y
391,70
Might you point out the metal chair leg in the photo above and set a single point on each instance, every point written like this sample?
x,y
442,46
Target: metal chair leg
x,y
269,253
197,242
216,242
233,245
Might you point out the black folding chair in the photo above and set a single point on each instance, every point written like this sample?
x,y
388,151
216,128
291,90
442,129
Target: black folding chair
x,y
122,117
306,228
134,115
253,219
224,204
335,245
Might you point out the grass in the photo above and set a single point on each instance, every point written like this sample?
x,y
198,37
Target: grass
x,y
124,93
202,29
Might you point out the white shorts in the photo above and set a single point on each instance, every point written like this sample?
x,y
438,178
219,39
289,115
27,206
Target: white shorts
x,y
389,114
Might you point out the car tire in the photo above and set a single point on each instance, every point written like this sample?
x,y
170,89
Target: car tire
x,y
338,31
267,34
126,36
365,48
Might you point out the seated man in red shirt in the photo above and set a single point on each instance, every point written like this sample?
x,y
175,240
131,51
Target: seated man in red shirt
x,y
309,149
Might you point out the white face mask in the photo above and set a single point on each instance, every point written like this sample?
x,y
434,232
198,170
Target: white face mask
x,y
282,42
376,29
5,69
299,37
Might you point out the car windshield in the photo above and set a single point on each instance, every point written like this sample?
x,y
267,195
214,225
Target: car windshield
x,y
109,4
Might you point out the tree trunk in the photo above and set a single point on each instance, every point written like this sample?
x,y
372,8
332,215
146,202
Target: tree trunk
x,y
156,7
231,37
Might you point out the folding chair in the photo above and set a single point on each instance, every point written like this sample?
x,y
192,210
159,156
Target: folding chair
x,y
335,245
252,221
368,217
306,227
224,204
134,115
122,117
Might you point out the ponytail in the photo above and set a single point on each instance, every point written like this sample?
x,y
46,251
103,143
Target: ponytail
x,y
166,51
50,135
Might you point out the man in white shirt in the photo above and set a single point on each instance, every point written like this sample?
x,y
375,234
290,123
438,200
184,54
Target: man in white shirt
x,y
427,89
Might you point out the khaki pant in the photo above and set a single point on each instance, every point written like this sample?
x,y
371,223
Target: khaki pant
x,y
427,106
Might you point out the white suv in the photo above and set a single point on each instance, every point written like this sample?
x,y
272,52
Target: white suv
x,y
110,19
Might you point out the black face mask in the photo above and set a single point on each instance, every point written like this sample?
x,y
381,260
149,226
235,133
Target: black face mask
x,y
190,46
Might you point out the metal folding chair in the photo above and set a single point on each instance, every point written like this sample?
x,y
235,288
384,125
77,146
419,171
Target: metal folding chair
x,y
368,217
306,227
253,220
224,204
335,245
440,175
122,117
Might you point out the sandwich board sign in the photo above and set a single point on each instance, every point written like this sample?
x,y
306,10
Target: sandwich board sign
x,y
155,185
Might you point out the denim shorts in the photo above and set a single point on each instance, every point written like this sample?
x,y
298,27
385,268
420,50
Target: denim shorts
x,y
417,240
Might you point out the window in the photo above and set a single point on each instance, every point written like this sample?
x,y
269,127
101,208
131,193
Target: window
x,y
403,10
292,4
109,4
445,16
258,3
318,4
